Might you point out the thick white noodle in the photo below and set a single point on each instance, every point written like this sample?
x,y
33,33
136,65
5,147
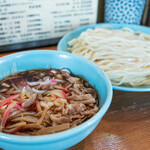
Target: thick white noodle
x,y
123,54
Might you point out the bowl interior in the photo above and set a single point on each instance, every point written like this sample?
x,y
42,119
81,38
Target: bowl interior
x,y
45,59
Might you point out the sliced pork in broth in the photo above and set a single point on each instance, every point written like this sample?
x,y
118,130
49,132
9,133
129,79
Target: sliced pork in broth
x,y
44,101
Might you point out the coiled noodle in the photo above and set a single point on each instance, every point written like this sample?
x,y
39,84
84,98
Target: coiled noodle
x,y
123,54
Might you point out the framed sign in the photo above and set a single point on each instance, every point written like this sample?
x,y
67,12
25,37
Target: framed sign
x,y
33,23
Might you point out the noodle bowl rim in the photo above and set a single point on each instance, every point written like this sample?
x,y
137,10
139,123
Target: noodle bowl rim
x,y
60,136
62,46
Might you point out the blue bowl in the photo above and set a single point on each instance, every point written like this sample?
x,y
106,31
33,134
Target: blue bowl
x,y
44,59
63,46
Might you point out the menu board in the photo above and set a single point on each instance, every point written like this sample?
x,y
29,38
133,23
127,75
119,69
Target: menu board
x,y
31,23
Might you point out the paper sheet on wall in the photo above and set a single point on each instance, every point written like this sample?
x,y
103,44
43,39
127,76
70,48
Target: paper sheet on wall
x,y
31,20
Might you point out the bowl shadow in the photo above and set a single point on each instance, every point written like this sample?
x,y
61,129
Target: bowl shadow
x,y
129,106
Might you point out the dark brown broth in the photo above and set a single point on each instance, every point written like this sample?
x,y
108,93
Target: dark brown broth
x,y
35,76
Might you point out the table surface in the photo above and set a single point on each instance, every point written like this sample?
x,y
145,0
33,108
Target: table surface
x,y
125,126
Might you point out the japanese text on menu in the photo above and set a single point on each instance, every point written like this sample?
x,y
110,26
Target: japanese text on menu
x,y
30,20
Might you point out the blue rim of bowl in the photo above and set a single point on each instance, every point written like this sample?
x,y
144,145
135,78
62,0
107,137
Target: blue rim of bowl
x,y
114,26
41,139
